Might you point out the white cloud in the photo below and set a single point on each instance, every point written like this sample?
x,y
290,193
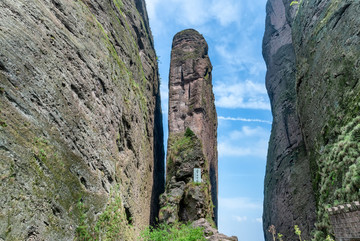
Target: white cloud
x,y
239,203
226,11
259,220
247,132
200,12
240,219
243,119
151,6
245,95
241,55
195,12
249,141
257,149
191,12
236,151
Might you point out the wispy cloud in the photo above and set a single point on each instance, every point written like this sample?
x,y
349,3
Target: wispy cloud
x,y
249,141
239,203
257,149
243,119
245,95
196,12
246,132
238,58
226,11
240,219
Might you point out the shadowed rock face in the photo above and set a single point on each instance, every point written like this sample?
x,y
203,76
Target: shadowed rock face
x,y
315,102
80,116
288,192
191,100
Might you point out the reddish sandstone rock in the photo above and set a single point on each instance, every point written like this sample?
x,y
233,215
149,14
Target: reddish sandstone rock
x,y
191,100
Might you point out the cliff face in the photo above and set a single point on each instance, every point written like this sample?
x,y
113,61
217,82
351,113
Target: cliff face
x,y
326,38
191,100
288,196
80,115
312,55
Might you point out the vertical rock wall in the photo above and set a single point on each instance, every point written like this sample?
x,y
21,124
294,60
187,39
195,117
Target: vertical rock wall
x,y
312,55
288,198
326,37
80,117
191,100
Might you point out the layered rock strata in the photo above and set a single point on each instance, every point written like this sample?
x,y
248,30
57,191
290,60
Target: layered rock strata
x,y
324,38
80,119
191,100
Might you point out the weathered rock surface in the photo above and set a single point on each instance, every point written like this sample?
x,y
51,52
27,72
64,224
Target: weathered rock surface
x,y
212,233
183,199
326,37
317,40
191,100
80,116
288,195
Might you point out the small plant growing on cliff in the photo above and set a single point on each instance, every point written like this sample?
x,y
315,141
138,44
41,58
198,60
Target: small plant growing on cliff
x,y
272,230
3,123
294,2
298,232
82,231
328,238
189,132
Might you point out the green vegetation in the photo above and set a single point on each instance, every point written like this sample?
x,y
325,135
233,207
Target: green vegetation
x,y
82,232
183,142
297,231
125,72
279,236
118,4
189,133
3,123
174,232
272,230
183,145
112,224
294,2
339,175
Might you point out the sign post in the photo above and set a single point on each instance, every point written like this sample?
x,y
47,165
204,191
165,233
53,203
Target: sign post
x,y
197,175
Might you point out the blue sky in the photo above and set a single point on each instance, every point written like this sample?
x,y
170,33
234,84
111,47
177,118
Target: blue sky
x,y
233,30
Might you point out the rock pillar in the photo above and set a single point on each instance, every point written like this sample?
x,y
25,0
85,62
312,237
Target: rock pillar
x,y
192,132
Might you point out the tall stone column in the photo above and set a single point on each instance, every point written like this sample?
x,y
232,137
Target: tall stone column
x,y
192,128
